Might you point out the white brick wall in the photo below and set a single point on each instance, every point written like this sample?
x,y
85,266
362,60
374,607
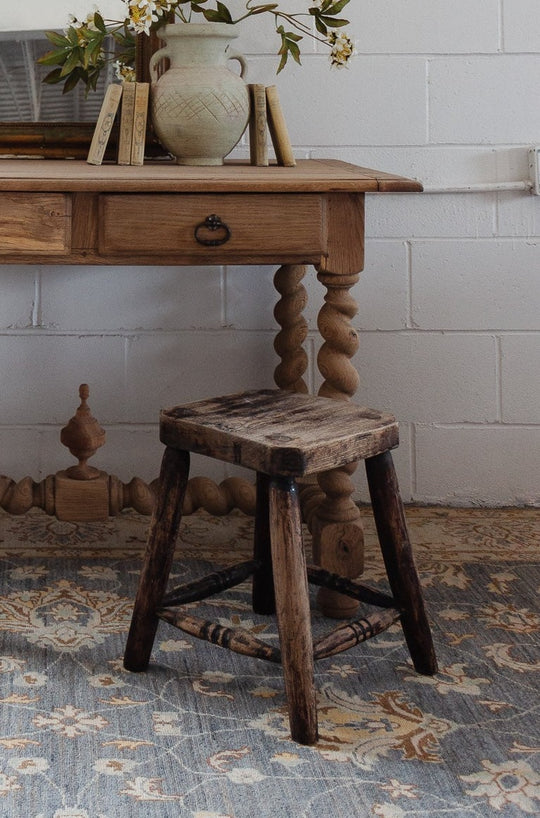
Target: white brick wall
x,y
449,314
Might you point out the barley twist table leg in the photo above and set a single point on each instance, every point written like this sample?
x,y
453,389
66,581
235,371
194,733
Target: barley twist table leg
x,y
288,314
338,538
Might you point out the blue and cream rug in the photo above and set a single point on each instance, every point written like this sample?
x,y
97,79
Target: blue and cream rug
x,y
204,733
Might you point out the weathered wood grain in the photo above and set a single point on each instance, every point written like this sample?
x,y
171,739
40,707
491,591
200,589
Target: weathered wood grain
x,y
279,432
158,558
239,640
350,634
292,608
398,559
210,584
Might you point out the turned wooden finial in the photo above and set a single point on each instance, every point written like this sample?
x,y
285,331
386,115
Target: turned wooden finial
x,y
83,436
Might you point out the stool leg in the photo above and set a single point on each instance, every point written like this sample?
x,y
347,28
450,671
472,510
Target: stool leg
x,y
292,608
264,601
398,558
158,558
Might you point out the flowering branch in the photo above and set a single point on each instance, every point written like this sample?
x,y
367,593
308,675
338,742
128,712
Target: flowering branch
x,y
86,46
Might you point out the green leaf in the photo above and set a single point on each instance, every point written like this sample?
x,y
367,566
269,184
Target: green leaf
x,y
263,9
55,57
73,36
219,15
53,77
334,22
321,28
283,61
71,82
213,16
100,23
295,52
72,62
57,39
93,50
335,8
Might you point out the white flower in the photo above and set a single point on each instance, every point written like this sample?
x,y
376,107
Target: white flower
x,y
88,22
342,48
142,14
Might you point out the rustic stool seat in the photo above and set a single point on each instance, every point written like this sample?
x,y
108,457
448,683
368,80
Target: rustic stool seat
x,y
282,436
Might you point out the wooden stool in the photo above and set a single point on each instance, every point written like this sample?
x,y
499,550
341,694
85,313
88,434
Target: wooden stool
x,y
282,436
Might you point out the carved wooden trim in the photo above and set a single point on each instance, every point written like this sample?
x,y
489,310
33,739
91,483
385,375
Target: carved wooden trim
x,y
289,340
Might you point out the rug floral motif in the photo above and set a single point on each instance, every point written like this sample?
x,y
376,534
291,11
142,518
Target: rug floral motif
x,y
204,733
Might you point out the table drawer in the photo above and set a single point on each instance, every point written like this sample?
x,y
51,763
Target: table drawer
x,y
35,223
248,224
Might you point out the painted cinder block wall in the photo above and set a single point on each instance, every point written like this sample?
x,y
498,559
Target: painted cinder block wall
x,y
449,314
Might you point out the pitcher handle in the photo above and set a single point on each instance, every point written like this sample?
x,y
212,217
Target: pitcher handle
x,y
154,60
234,55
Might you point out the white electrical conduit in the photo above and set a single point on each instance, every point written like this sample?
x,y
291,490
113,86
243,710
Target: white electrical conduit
x,y
486,187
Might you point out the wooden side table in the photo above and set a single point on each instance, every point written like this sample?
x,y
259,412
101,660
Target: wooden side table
x,y
69,212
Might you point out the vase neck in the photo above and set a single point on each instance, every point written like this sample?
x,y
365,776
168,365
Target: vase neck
x,y
198,43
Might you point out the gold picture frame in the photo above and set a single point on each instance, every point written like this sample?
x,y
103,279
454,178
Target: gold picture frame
x,y
63,140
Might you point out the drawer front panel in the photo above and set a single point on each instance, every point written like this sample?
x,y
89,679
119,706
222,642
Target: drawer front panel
x,y
254,224
35,223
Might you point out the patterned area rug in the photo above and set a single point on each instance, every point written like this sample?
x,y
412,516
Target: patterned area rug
x,y
204,733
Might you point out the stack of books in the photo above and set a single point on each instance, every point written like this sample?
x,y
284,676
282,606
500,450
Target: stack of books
x,y
129,101
267,115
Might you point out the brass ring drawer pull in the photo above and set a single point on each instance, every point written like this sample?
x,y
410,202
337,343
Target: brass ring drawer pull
x,y
210,225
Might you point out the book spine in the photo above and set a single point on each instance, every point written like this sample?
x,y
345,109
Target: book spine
x,y
104,124
278,128
258,141
142,91
127,119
